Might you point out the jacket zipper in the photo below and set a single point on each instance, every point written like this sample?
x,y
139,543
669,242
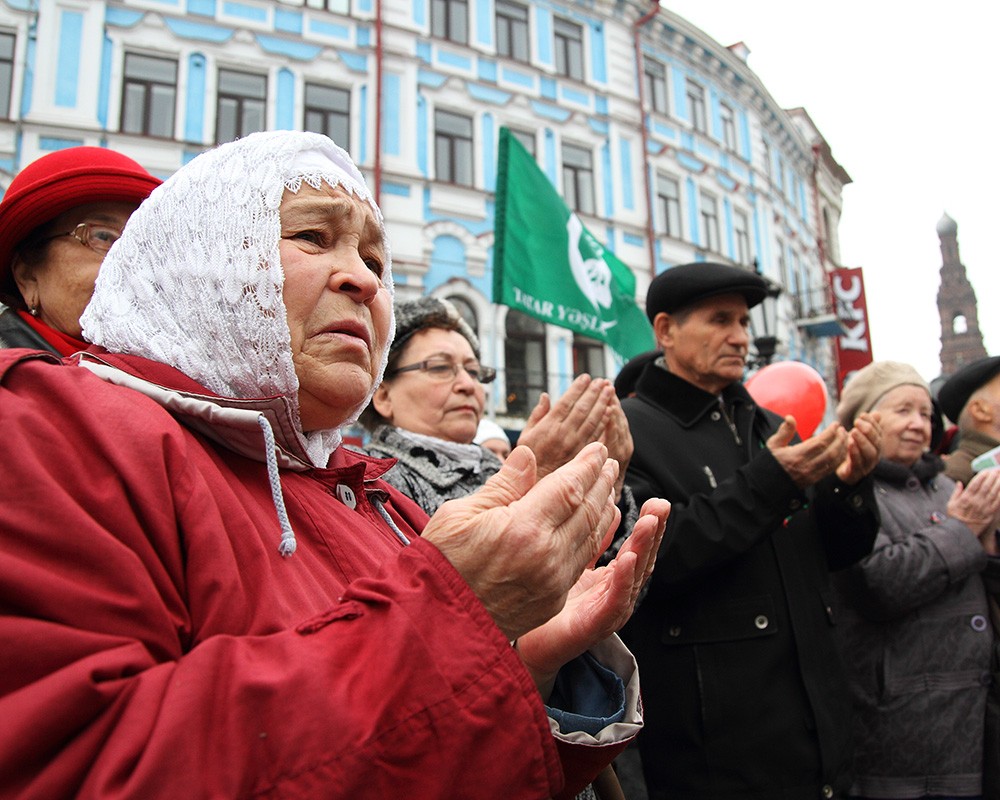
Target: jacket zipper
x,y
730,423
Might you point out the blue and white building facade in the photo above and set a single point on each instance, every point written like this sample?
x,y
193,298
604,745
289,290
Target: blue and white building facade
x,y
664,141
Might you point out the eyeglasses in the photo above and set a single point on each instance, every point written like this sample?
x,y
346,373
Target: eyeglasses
x,y
440,370
98,238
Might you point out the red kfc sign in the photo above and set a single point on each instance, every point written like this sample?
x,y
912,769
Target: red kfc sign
x,y
854,347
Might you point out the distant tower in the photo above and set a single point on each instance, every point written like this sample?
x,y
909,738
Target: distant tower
x,y
961,340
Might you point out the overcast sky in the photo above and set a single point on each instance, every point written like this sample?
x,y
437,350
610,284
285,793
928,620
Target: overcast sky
x,y
905,95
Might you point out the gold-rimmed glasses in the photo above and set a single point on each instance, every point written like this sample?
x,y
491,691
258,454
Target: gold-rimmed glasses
x,y
96,236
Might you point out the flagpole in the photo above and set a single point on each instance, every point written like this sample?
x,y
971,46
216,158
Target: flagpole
x,y
495,310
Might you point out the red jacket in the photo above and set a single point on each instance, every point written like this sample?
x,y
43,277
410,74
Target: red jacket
x,y
155,643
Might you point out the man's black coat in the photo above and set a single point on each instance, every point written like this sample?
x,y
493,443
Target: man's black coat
x,y
744,690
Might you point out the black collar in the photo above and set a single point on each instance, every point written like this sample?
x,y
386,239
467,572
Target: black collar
x,y
682,400
925,470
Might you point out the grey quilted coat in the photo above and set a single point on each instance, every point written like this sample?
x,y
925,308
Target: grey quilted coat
x,y
915,627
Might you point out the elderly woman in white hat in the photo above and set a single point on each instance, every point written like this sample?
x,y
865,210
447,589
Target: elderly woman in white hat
x,y
914,618
210,597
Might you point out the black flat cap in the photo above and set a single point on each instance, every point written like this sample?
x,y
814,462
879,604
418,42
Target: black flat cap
x,y
628,376
686,284
956,391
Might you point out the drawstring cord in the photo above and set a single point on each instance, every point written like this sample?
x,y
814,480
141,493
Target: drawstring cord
x,y
288,543
385,515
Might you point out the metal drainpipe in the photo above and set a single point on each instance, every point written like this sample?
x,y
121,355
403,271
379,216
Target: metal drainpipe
x,y
650,233
379,54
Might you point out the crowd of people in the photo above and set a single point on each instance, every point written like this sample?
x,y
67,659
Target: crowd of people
x,y
205,593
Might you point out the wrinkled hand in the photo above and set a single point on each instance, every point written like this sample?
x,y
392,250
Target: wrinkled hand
x,y
556,433
864,448
521,543
600,602
978,504
618,439
810,461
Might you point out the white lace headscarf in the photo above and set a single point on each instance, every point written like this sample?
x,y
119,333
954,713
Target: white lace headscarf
x,y
195,280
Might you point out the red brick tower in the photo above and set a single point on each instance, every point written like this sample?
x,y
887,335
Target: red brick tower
x,y
961,339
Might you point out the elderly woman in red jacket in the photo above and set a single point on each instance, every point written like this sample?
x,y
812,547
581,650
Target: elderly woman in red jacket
x,y
204,595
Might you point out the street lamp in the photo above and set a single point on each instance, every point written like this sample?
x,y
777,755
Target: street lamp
x,y
764,323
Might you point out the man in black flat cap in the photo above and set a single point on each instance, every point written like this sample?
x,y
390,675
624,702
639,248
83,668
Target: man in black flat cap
x,y
971,399
743,689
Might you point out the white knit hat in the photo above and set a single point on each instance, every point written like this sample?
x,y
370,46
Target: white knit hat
x,y
488,429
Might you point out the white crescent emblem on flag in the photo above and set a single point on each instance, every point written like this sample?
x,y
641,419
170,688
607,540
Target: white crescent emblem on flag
x,y
592,275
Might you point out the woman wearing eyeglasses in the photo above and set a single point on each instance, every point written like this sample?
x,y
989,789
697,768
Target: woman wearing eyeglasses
x,y
426,412
58,219
427,409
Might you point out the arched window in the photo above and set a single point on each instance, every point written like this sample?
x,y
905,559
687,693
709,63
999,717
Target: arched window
x,y
524,347
466,311
959,324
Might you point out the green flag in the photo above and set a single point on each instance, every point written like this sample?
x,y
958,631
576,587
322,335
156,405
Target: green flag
x,y
546,264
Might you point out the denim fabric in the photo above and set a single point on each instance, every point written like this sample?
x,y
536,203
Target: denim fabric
x,y
586,697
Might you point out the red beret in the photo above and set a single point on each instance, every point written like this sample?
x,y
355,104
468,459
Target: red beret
x,y
62,180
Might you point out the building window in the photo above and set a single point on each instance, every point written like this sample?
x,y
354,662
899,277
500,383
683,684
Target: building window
x,y
450,20
655,76
802,302
7,42
328,111
828,239
588,356
453,148
512,30
741,233
786,279
336,6
149,95
728,127
696,106
524,349
768,169
526,139
709,222
465,311
578,178
668,201
569,49
242,104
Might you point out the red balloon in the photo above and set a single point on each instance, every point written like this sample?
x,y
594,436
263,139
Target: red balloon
x,y
791,387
